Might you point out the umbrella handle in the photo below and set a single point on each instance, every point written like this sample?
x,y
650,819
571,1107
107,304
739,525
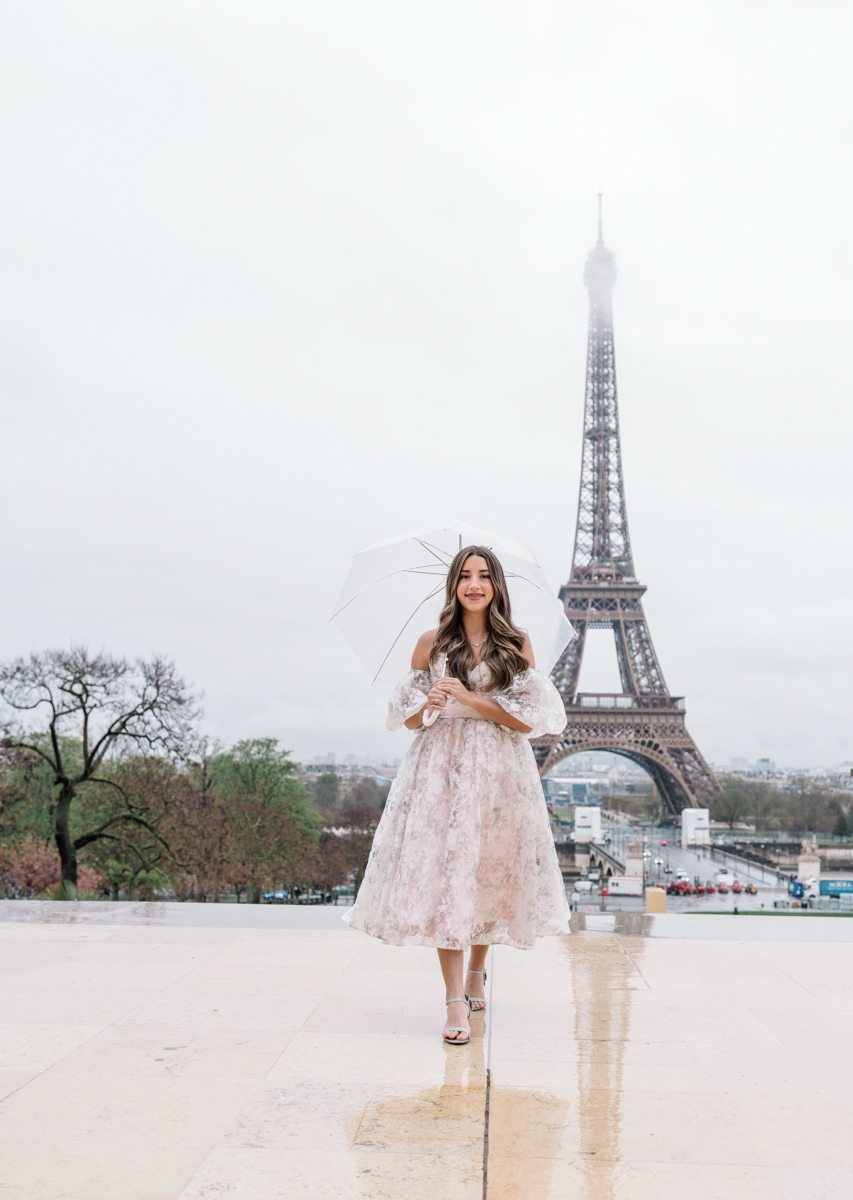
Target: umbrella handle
x,y
431,717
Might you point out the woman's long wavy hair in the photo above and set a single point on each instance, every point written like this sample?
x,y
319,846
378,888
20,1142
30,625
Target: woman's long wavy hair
x,y
502,651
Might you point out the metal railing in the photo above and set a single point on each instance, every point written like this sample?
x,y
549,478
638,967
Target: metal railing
x,y
619,700
768,874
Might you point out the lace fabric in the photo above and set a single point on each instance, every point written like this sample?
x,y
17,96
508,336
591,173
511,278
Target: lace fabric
x,y
532,699
463,854
408,698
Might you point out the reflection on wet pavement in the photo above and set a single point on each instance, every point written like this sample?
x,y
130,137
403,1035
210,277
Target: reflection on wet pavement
x,y
448,1119
559,1125
601,976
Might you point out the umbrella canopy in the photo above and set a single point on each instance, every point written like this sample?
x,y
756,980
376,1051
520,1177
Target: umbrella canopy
x,y
395,591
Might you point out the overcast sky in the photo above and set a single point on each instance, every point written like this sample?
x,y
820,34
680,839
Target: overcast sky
x,y
281,279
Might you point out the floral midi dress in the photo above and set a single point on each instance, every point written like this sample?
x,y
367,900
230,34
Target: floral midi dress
x,y
463,854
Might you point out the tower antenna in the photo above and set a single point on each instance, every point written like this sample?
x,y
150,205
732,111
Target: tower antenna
x,y
600,227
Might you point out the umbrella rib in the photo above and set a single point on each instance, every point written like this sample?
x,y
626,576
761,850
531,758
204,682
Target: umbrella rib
x,y
524,579
437,551
403,630
382,578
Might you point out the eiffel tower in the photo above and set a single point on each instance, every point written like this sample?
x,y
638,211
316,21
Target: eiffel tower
x,y
644,723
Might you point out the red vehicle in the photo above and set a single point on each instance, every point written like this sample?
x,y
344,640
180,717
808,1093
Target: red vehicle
x,y
700,890
664,843
737,888
723,889
689,889
709,888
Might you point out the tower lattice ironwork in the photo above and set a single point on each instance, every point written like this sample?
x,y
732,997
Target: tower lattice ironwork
x,y
644,723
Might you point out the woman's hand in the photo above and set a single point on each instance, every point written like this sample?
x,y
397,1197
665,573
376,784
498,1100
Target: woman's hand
x,y
449,686
436,699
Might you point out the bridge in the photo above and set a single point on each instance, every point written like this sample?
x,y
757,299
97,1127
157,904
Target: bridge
x,y
603,858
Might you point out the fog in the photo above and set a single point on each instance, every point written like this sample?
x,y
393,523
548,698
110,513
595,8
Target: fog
x,y
283,279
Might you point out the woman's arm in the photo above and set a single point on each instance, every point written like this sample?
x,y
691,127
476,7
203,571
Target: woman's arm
x,y
420,662
454,687
482,704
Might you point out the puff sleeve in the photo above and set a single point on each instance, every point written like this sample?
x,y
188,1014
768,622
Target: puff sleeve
x,y
532,699
408,698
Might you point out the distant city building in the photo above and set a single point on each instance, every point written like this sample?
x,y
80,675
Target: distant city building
x,y
577,791
764,764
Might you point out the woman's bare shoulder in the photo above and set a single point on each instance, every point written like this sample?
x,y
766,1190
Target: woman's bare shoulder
x,y
527,651
423,650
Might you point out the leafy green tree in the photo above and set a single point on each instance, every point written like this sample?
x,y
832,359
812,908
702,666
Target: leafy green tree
x,y
842,825
26,796
273,828
75,711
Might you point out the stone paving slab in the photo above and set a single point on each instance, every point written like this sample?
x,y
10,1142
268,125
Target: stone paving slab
x,y
763,927
144,1061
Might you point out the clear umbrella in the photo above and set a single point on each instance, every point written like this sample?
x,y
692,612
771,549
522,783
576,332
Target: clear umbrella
x,y
395,590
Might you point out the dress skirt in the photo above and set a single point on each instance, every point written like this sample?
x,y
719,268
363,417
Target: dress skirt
x,y
463,854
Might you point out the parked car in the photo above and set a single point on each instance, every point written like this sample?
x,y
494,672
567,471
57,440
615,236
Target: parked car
x,y
737,888
709,888
723,889
658,861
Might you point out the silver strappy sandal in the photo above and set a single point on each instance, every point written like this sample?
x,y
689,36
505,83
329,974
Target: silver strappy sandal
x,y
457,1028
481,1000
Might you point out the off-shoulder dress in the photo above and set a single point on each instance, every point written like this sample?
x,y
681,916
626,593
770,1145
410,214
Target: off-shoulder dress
x,y
463,854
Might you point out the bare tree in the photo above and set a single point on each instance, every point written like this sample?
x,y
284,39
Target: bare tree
x,y
810,806
731,805
359,825
83,708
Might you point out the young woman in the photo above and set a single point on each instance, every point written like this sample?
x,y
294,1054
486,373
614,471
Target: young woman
x,y
463,856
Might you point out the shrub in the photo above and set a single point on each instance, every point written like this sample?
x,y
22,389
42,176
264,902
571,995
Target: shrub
x,y
30,868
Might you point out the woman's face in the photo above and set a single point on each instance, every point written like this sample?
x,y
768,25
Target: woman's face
x,y
475,591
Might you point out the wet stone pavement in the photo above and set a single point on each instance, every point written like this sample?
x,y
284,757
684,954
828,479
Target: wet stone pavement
x,y
148,1053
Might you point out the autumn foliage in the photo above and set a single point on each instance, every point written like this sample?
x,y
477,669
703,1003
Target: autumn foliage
x,y
30,868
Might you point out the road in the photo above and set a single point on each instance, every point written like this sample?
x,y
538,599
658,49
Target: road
x,y
693,862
